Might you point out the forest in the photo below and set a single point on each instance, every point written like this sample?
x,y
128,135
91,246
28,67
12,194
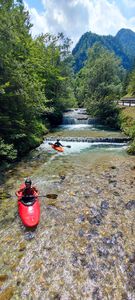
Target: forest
x,y
38,82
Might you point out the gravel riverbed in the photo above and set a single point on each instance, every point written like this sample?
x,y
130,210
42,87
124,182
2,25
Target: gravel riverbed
x,y
83,247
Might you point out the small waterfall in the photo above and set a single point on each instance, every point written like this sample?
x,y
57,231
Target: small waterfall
x,y
68,120
75,117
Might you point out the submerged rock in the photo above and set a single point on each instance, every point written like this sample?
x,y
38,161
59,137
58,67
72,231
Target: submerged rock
x,y
96,295
81,218
103,252
104,204
130,205
110,241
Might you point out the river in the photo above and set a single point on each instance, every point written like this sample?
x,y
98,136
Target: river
x,y
83,247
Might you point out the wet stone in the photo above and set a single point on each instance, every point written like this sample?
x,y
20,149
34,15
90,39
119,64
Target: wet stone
x,y
55,296
18,282
130,205
109,241
124,296
22,246
105,266
114,224
115,193
83,262
112,181
29,236
96,294
118,234
81,218
131,276
93,275
62,177
95,220
102,252
104,204
95,211
92,233
89,249
103,213
74,259
132,258
87,195
133,168
81,232
98,190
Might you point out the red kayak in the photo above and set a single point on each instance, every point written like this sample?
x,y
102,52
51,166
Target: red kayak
x,y
59,149
29,209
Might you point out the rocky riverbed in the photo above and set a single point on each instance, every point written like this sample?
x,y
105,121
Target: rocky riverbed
x,y
83,247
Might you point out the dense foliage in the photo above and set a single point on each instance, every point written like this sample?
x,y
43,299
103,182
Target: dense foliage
x,y
99,83
37,81
131,84
123,45
127,120
35,77
127,116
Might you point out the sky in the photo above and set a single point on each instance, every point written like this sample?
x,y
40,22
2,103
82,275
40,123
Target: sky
x,y
75,17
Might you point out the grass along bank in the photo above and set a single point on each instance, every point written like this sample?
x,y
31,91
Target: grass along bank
x,y
127,120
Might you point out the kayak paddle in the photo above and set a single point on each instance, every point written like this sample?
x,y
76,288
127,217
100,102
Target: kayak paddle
x,y
53,196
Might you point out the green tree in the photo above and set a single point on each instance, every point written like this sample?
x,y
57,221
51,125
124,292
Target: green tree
x,y
100,83
35,79
20,90
131,85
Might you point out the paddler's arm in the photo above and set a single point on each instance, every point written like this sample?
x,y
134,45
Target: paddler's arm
x,y
19,192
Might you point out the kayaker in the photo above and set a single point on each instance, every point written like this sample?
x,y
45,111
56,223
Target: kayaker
x,y
58,144
27,190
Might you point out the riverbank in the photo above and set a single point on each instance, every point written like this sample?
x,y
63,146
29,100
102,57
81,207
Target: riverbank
x,y
127,119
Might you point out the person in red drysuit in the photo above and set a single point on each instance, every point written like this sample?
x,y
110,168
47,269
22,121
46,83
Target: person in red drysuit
x,y
27,190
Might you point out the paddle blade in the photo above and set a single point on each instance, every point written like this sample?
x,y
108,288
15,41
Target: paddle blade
x,y
68,146
52,196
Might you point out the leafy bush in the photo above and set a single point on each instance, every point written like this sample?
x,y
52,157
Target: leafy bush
x,y
7,152
131,148
127,124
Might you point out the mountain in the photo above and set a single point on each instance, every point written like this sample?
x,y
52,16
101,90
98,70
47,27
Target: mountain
x,y
123,45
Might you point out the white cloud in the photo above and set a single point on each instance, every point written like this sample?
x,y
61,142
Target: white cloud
x,y
75,17
105,18
129,3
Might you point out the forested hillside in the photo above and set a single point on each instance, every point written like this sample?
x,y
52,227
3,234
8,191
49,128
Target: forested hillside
x,y
35,80
123,45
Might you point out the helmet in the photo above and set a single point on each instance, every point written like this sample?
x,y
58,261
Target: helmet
x,y
28,181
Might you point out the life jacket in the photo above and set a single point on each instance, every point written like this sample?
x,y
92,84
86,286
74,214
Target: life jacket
x,y
29,191
58,144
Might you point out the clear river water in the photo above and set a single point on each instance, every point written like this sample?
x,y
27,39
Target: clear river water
x,y
83,247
